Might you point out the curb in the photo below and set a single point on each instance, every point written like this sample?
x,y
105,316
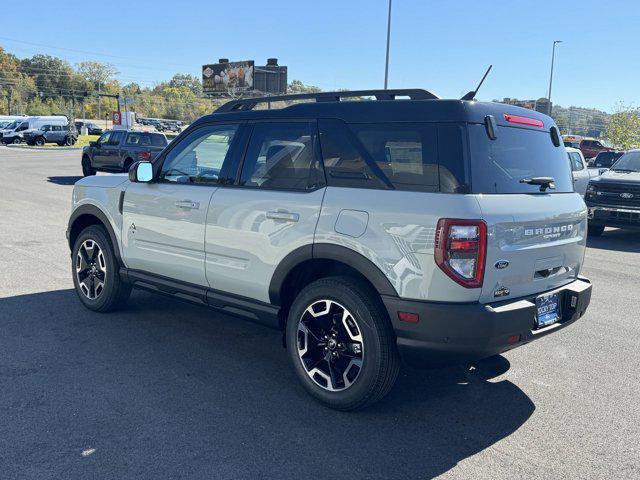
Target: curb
x,y
54,149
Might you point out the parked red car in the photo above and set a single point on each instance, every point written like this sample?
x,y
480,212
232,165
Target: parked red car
x,y
590,148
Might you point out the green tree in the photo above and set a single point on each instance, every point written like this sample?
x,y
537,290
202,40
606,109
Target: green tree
x,y
623,129
296,86
192,82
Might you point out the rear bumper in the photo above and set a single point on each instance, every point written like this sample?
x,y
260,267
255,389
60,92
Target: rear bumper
x,y
449,333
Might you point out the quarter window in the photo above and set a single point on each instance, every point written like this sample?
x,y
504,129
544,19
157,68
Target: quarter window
x,y
280,156
200,156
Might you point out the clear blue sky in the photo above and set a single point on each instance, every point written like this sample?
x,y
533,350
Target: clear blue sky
x,y
440,45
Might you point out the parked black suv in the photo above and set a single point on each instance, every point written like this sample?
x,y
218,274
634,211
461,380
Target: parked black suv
x,y
614,197
117,150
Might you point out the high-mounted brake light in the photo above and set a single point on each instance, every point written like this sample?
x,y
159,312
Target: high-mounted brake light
x,y
531,122
461,249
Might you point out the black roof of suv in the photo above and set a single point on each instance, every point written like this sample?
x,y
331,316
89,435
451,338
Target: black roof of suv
x,y
421,107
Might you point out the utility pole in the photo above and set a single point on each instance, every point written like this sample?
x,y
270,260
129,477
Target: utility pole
x,y
553,56
99,98
386,63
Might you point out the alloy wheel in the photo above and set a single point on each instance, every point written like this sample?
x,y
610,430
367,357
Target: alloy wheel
x,y
330,345
91,269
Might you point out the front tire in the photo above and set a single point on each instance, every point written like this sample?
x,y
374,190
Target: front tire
x,y
95,271
39,141
341,343
595,230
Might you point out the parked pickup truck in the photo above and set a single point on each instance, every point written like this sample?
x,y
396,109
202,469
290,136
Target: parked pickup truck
x,y
117,150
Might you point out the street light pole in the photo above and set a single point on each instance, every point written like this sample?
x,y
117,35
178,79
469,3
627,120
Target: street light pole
x,y
386,64
553,56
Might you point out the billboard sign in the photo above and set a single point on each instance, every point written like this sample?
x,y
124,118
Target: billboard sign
x,y
228,77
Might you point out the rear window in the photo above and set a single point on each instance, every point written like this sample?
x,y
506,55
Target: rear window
x,y
146,139
606,159
497,166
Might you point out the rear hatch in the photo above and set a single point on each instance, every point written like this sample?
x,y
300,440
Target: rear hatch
x,y
536,239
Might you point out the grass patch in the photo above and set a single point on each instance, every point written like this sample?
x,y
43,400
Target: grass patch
x,y
83,140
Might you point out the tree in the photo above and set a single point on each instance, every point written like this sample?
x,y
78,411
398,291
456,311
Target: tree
x,y
53,76
623,129
192,82
96,72
296,86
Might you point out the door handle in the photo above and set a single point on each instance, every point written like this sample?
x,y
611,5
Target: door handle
x,y
187,204
283,215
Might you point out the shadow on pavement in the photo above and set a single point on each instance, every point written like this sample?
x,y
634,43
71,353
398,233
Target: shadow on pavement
x,y
616,239
166,389
64,180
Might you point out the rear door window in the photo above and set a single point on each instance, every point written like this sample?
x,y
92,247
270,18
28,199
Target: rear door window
x,y
498,166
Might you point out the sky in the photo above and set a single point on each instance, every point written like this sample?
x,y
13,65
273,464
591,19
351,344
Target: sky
x,y
441,45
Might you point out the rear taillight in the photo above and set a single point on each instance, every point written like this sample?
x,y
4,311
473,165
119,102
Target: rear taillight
x,y
144,156
460,250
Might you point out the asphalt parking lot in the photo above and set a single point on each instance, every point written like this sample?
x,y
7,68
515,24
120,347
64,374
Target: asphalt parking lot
x,y
170,390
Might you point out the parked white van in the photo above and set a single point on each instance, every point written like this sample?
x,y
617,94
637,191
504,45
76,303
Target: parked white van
x,y
14,132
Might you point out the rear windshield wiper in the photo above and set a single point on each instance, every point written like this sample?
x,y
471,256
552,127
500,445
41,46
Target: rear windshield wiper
x,y
544,182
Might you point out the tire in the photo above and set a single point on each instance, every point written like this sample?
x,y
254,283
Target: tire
x,y
60,144
127,165
595,230
68,141
364,374
87,170
39,141
95,271
15,141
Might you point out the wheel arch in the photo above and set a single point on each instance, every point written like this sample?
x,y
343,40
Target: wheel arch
x,y
310,262
85,216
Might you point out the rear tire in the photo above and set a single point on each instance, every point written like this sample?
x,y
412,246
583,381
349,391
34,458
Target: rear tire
x,y
87,170
342,344
68,141
96,271
15,141
595,230
127,165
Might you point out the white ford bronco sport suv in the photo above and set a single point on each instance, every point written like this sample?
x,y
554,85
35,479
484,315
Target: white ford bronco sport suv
x,y
428,230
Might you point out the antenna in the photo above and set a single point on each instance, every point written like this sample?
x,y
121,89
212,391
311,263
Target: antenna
x,y
471,95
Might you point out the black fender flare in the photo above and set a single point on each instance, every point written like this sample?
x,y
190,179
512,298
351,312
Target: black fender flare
x,y
94,211
329,251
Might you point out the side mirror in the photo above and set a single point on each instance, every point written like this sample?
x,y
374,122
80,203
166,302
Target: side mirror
x,y
141,172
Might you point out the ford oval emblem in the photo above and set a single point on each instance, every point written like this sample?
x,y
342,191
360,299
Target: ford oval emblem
x,y
501,264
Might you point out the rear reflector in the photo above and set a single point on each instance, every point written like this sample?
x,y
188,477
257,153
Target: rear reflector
x,y
408,317
513,339
531,122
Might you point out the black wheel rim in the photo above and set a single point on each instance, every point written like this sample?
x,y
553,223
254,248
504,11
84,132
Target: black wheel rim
x,y
91,269
330,345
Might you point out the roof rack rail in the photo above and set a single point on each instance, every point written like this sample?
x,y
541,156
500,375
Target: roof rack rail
x,y
250,103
